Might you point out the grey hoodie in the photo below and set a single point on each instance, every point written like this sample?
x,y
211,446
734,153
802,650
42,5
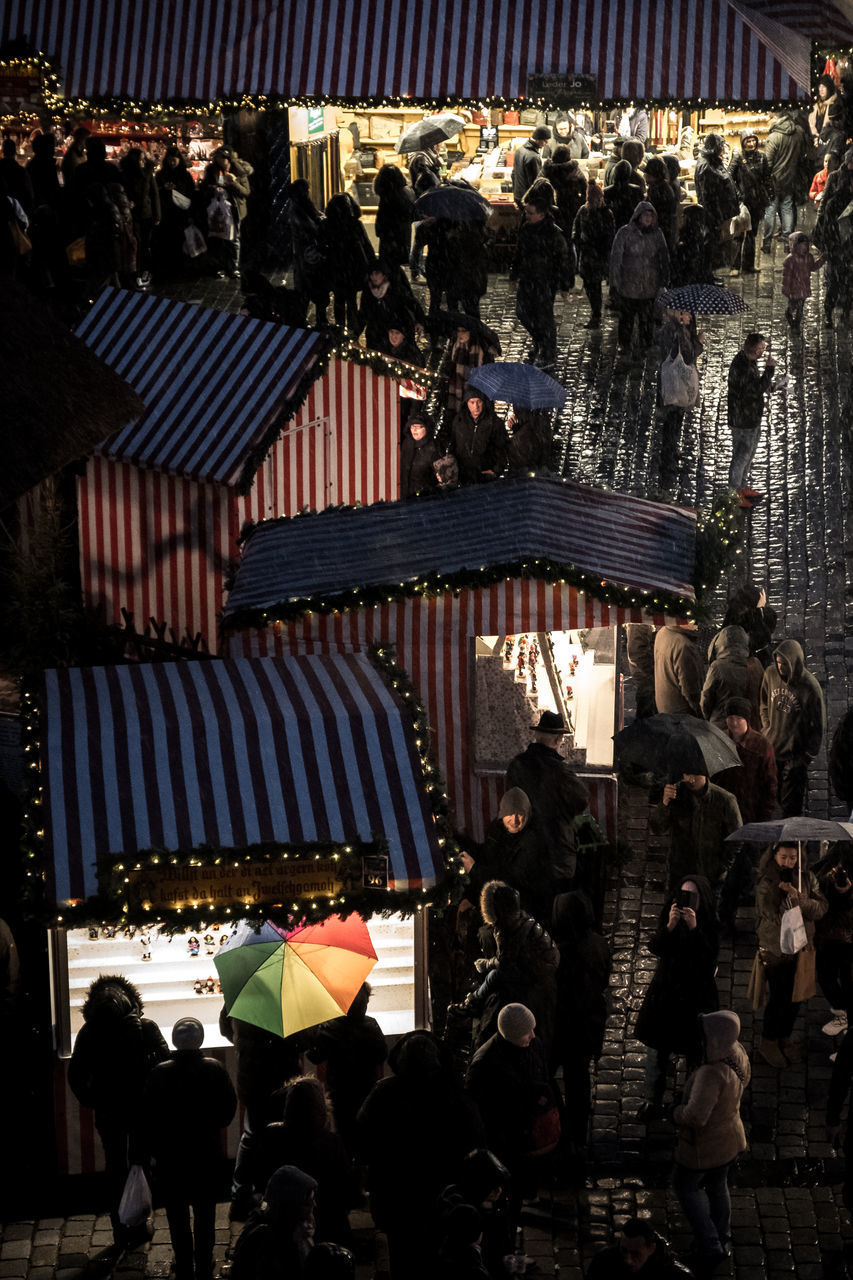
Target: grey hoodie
x,y
639,260
728,673
793,716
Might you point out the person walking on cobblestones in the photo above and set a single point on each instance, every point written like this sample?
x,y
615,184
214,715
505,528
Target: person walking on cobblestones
x,y
711,1137
839,1090
698,817
732,673
785,151
750,173
782,885
542,267
797,277
834,938
747,386
828,237
639,269
717,194
793,719
592,233
678,670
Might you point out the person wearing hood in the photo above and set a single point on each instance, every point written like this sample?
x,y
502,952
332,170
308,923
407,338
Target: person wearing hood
x,y
348,254
699,817
483,1182
686,943
542,266
711,1136
386,304
717,194
785,151
678,670
678,336
114,1052
793,719
797,277
188,1101
635,153
530,441
748,608
176,185
828,237
623,193
394,215
783,882
639,269
691,259
413,1126
478,439
278,1237
583,976
732,673
567,178
527,163
662,197
310,272
418,453
556,793
593,231
467,265
754,785
750,173
642,1251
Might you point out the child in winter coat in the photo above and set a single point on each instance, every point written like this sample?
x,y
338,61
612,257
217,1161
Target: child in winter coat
x,y
797,277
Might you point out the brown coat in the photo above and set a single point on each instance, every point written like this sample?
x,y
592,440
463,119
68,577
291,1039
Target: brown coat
x,y
710,1130
678,672
755,784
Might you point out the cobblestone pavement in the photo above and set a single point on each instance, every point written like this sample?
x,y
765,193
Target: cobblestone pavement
x,y
788,1218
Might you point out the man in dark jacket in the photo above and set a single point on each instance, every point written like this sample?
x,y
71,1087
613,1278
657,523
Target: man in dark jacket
x,y
639,269
542,266
478,439
747,388
527,164
555,792
750,173
754,786
698,816
678,670
188,1101
641,1251
785,152
793,719
717,194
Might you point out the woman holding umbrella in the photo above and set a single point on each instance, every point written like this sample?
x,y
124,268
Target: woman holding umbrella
x,y
783,883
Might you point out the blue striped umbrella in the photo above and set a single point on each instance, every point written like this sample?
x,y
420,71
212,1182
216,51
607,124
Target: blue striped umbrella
x,y
704,300
523,385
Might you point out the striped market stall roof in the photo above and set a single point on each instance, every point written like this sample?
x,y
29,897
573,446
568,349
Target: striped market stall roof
x,y
159,51
230,754
819,20
218,386
489,529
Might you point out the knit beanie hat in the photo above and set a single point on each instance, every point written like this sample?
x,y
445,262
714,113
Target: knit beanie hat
x,y
541,134
515,1021
514,801
188,1033
739,707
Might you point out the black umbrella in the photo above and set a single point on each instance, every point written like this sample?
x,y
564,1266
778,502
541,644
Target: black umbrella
x,y
671,745
454,202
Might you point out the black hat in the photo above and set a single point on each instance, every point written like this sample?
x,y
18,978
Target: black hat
x,y
739,707
541,134
551,722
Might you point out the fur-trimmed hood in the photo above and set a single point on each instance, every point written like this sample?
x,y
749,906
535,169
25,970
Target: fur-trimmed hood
x,y
111,997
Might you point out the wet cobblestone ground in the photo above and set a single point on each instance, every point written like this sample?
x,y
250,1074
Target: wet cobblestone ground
x,y
787,1213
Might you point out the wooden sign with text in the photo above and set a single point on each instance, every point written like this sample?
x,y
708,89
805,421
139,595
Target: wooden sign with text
x,y
276,881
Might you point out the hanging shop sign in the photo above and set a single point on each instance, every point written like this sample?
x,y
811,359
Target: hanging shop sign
x,y
179,887
315,122
562,90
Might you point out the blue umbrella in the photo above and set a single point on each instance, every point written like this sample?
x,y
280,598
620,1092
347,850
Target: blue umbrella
x,y
457,204
704,300
523,385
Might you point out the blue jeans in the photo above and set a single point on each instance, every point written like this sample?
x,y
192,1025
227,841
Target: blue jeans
x,y
744,445
704,1198
784,206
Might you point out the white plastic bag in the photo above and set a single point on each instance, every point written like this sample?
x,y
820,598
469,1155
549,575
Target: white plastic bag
x,y
792,936
679,382
193,241
135,1206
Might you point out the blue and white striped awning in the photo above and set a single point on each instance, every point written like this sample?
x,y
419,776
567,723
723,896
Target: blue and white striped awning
x,y
175,756
200,50
215,384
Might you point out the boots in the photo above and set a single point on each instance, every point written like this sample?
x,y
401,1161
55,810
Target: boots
x,y
771,1053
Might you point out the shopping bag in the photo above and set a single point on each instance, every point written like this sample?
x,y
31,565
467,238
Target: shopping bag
x,y
193,241
135,1204
792,935
545,1131
757,990
741,223
679,382
179,200
804,979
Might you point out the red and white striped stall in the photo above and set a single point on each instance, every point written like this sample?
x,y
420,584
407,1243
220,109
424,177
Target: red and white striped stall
x,y
421,556
242,423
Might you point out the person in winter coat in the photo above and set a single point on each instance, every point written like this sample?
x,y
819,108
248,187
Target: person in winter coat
x,y
278,1237
678,670
797,277
640,652
686,943
394,216
839,1089
732,673
831,163
634,123
678,336
527,164
711,1136
785,151
188,1101
97,171
641,1251
592,234
748,608
478,439
841,760
661,197
793,719
750,173
839,251
173,179
483,1182
747,387
639,269
472,346
515,851
310,272
566,132
43,173
137,175
386,304
754,785
351,1052
691,259
717,194
115,1050
834,937
467,267
424,175
127,247
530,441
418,453
781,885
567,178
542,266
613,158
349,255
623,193
510,1082
556,793
414,1126
826,105
699,817
583,976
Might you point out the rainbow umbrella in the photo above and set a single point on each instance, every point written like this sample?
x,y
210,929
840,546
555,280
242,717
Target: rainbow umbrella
x,y
287,980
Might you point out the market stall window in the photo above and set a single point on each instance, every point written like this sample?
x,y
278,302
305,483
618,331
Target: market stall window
x,y
517,677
